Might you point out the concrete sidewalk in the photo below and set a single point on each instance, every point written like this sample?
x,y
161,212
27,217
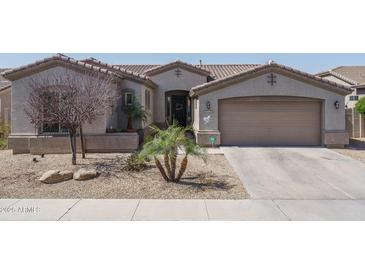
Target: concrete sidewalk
x,y
180,210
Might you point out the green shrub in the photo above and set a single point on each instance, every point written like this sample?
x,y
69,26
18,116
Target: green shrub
x,y
4,133
3,143
135,163
360,106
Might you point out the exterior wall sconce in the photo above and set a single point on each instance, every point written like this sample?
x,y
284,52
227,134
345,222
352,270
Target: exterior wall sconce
x,y
207,105
337,104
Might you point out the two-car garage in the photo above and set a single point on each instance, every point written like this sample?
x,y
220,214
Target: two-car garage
x,y
270,121
271,105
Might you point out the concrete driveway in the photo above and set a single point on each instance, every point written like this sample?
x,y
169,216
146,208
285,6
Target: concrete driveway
x,y
297,173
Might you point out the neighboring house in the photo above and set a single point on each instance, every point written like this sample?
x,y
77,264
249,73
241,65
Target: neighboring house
x,y
243,104
5,98
350,76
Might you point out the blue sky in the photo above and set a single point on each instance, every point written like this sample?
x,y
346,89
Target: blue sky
x,y
308,62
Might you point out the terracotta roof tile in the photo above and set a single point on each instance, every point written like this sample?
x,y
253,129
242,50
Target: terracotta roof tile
x,y
58,57
3,81
351,74
216,70
232,78
177,63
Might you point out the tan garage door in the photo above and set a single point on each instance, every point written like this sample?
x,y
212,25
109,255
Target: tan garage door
x,y
270,121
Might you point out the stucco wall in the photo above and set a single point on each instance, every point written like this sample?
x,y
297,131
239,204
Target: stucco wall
x,y
168,81
20,122
348,103
5,100
334,119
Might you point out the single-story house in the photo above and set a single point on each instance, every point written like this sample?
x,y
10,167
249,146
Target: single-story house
x,y
349,76
241,104
5,97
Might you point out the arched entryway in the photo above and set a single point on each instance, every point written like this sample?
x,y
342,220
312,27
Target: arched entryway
x,y
178,107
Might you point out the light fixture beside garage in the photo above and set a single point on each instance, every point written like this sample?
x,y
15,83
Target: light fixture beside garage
x,y
337,104
208,105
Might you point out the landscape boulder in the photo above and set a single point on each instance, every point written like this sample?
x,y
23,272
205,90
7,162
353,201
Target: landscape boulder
x,y
85,174
56,176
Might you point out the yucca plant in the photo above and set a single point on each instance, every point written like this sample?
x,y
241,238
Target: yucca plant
x,y
166,144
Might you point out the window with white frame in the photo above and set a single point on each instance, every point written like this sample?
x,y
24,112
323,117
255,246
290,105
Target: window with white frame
x,y
354,98
147,99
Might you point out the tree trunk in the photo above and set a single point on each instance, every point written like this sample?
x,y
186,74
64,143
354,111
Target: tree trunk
x,y
73,146
183,166
82,142
167,164
173,165
161,169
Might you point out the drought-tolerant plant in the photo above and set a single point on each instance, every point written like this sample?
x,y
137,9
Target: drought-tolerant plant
x,y
134,111
68,99
4,133
135,163
360,106
167,144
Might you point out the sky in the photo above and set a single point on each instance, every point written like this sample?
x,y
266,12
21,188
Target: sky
x,y
308,62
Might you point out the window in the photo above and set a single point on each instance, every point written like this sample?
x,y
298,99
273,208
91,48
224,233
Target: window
x,y
354,98
147,99
128,98
53,128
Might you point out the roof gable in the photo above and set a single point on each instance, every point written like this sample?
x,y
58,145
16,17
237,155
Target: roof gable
x,y
46,63
268,68
177,64
351,74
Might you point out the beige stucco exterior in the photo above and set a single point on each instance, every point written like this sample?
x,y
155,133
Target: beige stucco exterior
x,y
333,119
348,103
168,81
23,132
25,137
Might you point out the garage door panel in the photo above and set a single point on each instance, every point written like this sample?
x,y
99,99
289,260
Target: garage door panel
x,y
276,122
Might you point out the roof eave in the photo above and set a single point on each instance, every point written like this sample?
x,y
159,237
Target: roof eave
x,y
220,83
186,66
55,60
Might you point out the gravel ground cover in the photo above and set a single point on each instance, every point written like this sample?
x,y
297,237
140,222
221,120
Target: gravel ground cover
x,y
19,176
355,150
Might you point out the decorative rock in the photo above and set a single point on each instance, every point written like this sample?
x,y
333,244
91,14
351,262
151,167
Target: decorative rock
x,y
56,176
85,174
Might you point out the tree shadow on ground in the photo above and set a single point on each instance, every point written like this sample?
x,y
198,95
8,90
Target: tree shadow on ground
x,y
204,181
113,167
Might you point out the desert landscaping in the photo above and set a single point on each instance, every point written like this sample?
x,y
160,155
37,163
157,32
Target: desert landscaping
x,y
20,174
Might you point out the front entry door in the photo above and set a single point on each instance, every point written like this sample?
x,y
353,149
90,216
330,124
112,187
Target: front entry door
x,y
178,110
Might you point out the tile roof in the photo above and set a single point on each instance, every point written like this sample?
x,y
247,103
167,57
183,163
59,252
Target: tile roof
x,y
217,71
140,69
220,71
351,74
121,71
14,73
175,64
213,85
4,82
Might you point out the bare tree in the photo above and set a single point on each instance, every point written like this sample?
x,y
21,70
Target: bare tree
x,y
69,99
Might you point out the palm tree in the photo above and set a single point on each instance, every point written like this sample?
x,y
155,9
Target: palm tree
x,y
167,143
134,111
